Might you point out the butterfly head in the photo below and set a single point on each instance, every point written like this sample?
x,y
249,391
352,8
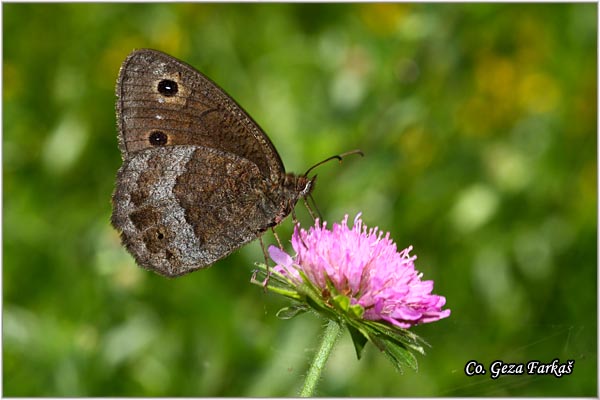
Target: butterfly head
x,y
299,185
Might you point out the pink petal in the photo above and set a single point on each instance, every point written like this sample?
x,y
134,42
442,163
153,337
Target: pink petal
x,y
280,257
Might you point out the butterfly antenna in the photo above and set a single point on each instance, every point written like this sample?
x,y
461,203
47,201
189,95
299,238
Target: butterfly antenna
x,y
338,157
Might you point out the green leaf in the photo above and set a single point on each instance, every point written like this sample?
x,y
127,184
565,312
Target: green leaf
x,y
358,339
400,355
396,343
399,335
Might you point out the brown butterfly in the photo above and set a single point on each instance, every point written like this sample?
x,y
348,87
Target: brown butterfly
x,y
199,177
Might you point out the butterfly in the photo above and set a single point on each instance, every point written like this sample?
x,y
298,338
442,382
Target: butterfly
x,y
199,177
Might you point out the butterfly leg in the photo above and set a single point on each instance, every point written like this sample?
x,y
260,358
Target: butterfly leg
x,y
312,209
262,246
277,238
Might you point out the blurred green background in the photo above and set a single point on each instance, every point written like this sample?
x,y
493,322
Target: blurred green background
x,y
478,124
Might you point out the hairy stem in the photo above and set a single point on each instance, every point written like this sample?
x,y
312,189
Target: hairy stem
x,y
332,331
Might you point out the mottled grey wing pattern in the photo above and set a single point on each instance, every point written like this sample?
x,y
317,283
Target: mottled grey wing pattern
x,y
171,204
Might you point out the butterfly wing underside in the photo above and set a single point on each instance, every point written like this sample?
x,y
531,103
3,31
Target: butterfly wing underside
x,y
198,112
199,177
172,219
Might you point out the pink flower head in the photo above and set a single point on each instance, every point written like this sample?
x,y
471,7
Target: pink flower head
x,y
364,266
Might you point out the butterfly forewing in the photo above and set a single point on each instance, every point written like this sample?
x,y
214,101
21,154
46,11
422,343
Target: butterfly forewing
x,y
163,101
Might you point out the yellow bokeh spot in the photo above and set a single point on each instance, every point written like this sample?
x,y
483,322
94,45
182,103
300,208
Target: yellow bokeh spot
x,y
12,80
587,188
418,146
538,93
169,38
496,76
383,18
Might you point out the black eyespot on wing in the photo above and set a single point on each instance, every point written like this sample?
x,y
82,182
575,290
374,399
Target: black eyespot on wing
x,y
158,138
167,87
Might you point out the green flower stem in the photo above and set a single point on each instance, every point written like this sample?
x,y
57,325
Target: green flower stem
x,y
332,332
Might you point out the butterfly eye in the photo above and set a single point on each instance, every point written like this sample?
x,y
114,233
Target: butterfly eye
x,y
158,138
167,87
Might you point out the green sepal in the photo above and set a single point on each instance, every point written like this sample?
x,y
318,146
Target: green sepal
x,y
342,302
277,283
356,311
292,311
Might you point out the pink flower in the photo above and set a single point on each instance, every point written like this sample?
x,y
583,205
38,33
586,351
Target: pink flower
x,y
365,267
